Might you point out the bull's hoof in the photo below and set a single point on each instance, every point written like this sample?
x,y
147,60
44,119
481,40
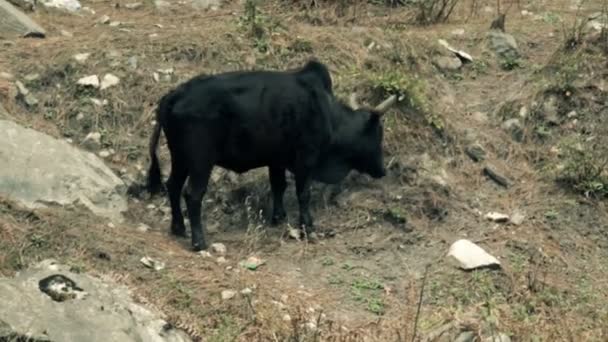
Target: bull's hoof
x,y
178,230
199,246
278,218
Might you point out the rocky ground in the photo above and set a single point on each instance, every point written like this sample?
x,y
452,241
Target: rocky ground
x,y
500,140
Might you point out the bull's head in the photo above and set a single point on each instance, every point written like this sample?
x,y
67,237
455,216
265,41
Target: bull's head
x,y
381,108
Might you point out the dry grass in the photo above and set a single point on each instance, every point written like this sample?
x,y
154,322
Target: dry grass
x,y
552,284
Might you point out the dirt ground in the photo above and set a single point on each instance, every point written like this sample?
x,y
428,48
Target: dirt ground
x,y
382,275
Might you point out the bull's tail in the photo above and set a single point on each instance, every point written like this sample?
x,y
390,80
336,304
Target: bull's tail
x,y
154,183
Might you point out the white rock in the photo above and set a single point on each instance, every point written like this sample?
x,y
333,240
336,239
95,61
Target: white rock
x,y
46,170
218,248
517,218
461,54
81,57
108,81
92,141
69,5
98,102
497,217
221,260
89,81
152,263
7,76
142,228
104,153
246,291
114,23
470,256
294,233
104,19
134,5
205,254
458,32
66,34
228,294
287,318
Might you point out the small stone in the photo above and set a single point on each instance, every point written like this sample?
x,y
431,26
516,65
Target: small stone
x,y
572,114
104,20
228,294
68,5
517,218
294,233
286,318
501,337
218,248
98,102
479,117
205,254
469,256
284,298
132,61
156,77
476,152
104,153
32,77
152,263
497,217
108,81
81,57
151,207
448,63
458,32
523,112
114,23
92,141
7,76
89,81
465,336
111,225
134,5
221,260
246,291
66,34
142,228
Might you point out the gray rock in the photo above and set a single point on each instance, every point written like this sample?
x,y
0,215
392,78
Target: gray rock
x,y
448,63
504,45
501,337
92,141
475,152
25,96
66,5
465,336
46,170
103,307
16,23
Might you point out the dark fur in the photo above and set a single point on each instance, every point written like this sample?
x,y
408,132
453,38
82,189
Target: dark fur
x,y
283,120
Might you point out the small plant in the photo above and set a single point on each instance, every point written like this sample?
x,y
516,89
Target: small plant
x,y
510,63
409,88
584,169
367,291
328,261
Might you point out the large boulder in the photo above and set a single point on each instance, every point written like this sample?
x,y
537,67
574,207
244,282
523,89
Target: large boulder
x,y
13,22
38,169
47,302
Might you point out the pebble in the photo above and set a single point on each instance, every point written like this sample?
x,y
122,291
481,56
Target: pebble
x,y
228,294
90,81
221,260
142,228
81,57
108,81
218,248
246,291
497,217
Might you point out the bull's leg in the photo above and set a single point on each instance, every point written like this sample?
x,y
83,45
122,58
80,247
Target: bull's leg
x,y
175,183
303,181
278,184
197,185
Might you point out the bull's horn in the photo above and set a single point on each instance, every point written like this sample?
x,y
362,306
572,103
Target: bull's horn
x,y
353,101
386,104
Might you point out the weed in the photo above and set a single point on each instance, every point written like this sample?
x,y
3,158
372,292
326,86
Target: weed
x,y
412,89
367,291
328,261
583,169
510,63
346,266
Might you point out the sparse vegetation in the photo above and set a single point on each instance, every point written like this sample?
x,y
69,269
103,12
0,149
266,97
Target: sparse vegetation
x,y
552,282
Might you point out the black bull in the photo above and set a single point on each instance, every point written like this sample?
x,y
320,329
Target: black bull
x,y
283,120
